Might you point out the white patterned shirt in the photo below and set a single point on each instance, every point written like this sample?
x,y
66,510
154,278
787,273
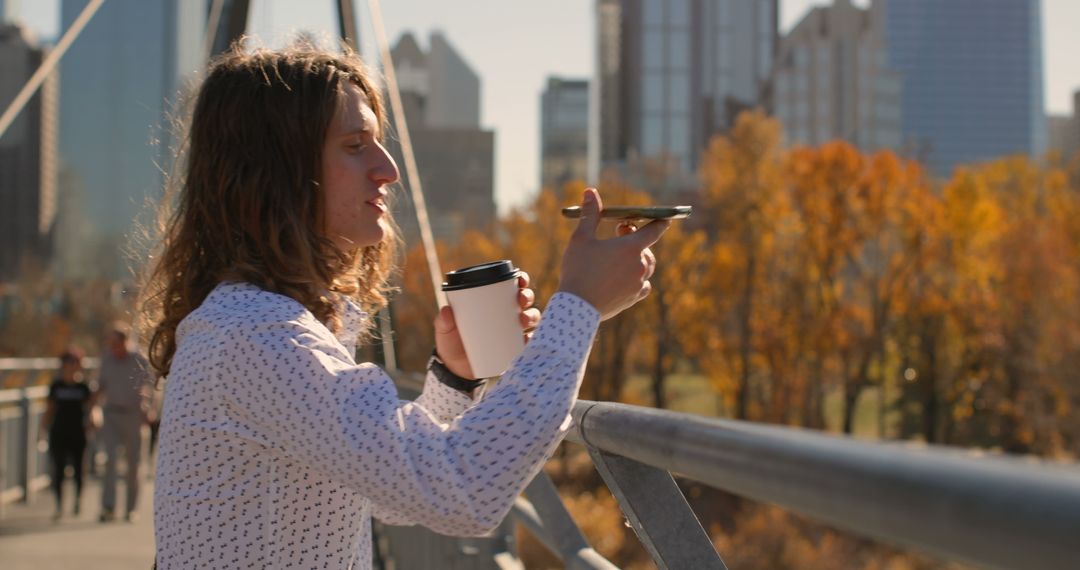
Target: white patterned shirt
x,y
276,447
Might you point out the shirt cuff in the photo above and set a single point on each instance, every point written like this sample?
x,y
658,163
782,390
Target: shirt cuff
x,y
443,401
569,325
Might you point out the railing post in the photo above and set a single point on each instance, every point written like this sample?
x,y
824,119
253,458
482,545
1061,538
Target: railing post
x,y
562,534
658,512
23,465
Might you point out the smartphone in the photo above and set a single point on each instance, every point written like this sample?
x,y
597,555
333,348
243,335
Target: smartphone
x,y
635,212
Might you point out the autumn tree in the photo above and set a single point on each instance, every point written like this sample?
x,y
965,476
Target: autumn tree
x,y
743,181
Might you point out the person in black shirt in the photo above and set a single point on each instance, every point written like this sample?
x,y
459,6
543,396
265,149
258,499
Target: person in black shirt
x,y
66,419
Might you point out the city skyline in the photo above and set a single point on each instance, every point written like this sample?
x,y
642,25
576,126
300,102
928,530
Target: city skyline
x,y
512,50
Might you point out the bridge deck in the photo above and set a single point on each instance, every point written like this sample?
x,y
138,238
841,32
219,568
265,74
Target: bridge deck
x,y
30,540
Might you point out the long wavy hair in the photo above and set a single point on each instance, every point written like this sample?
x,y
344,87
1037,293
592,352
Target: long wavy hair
x,y
245,204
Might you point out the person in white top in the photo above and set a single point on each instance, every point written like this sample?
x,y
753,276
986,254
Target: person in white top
x,y
276,447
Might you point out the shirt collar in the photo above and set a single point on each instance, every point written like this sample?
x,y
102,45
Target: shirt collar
x,y
350,311
352,320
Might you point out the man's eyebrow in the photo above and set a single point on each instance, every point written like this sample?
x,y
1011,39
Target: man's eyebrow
x,y
362,129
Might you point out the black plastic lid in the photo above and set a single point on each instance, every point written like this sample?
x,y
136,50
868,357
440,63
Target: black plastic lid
x,y
480,275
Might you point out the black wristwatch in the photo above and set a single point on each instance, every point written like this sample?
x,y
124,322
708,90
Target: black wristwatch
x,y
443,374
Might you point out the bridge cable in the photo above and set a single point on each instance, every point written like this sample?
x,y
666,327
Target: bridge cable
x,y
47,65
212,24
415,188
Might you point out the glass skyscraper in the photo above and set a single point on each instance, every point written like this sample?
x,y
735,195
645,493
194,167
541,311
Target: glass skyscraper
x,y
564,128
673,73
118,84
972,73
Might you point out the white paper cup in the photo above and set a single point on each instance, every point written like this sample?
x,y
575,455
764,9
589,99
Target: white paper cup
x,y
484,300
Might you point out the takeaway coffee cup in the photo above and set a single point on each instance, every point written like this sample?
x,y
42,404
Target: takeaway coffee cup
x,y
484,300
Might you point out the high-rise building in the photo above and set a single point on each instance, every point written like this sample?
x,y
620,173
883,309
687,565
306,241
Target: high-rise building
x,y
564,132
9,11
455,156
972,73
1064,131
832,80
28,167
119,84
673,73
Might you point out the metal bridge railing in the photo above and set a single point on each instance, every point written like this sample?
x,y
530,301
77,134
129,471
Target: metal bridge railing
x,y
992,511
23,467
966,506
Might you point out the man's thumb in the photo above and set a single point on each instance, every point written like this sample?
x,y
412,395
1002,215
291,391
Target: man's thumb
x,y
590,213
444,321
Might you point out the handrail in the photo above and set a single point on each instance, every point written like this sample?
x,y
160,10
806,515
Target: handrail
x,y
968,506
16,395
540,510
40,364
22,466
993,511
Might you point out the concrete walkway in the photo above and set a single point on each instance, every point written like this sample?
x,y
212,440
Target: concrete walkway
x,y
30,540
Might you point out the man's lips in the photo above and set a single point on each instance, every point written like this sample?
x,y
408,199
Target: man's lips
x,y
377,204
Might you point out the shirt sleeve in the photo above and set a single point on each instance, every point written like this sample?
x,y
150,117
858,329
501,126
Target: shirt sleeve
x,y
443,401
303,395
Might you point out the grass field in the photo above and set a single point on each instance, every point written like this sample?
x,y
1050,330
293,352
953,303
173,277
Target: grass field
x,y
693,394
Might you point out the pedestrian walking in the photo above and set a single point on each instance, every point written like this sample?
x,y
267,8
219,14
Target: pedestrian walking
x,y
123,384
67,421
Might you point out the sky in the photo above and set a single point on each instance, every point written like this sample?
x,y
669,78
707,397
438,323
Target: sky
x,y
515,45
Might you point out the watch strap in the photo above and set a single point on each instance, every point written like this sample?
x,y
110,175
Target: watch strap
x,y
443,374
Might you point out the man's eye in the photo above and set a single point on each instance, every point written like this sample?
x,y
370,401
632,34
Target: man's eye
x,y
356,147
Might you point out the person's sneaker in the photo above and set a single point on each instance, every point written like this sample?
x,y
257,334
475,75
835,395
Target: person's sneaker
x,y
75,509
131,516
56,515
107,516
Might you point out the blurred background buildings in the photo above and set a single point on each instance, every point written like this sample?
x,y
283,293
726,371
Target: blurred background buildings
x,y
456,157
669,76
832,80
972,73
1063,131
564,131
945,81
28,160
118,88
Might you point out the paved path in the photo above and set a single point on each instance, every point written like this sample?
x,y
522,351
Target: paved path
x,y
30,540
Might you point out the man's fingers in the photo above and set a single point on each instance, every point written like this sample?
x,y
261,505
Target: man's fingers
x,y
530,318
646,288
526,298
523,280
650,234
650,262
590,214
444,321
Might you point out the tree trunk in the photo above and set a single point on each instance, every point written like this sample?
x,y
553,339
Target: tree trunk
x,y
851,397
853,387
928,380
659,375
813,417
742,405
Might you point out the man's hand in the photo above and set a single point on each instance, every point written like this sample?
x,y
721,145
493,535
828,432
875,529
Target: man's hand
x,y
611,274
448,339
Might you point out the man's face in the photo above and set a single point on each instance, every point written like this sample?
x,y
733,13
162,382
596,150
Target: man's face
x,y
118,344
355,169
